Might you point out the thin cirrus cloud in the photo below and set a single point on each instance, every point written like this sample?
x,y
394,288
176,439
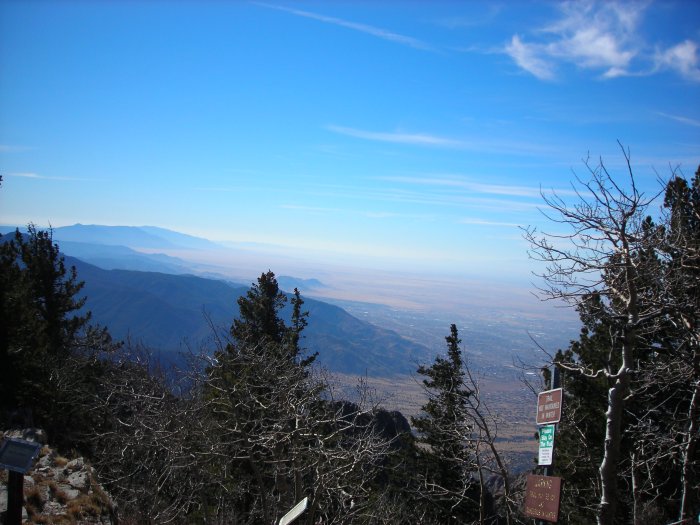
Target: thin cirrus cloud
x,y
473,187
37,176
681,119
603,37
11,148
26,175
367,214
363,28
482,222
429,197
398,138
503,147
310,209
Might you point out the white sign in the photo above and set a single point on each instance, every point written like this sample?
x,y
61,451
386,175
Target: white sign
x,y
546,445
296,511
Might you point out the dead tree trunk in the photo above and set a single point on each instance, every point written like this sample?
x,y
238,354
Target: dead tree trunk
x,y
691,439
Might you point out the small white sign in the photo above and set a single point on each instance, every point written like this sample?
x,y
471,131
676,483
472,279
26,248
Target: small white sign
x,y
296,511
546,445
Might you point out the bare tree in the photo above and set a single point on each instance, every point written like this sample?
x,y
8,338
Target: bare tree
x,y
280,424
146,440
599,254
489,459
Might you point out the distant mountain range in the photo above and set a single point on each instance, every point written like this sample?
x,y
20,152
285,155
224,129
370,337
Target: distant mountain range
x,y
137,237
166,311
116,247
155,300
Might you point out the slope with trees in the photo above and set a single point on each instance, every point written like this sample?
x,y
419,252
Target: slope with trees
x,y
48,348
628,443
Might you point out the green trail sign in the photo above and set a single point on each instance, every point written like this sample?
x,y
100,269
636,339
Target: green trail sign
x,y
546,445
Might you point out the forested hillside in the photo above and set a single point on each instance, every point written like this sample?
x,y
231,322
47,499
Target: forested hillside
x,y
172,314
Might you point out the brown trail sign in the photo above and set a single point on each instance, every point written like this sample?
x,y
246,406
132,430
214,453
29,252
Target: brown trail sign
x,y
542,497
549,406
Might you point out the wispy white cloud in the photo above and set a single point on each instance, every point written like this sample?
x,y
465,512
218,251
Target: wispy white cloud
x,y
473,20
356,212
480,144
601,36
363,28
398,137
436,197
483,222
37,176
530,58
26,175
473,187
395,215
312,209
454,182
681,119
682,58
10,148
590,35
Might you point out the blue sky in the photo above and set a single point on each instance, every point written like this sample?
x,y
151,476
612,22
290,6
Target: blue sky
x,y
406,134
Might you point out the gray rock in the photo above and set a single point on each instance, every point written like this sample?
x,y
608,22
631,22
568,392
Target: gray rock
x,y
79,480
44,492
29,482
3,499
45,461
29,434
46,471
69,491
53,508
76,464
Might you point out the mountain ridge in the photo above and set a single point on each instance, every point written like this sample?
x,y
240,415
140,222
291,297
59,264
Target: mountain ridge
x,y
168,312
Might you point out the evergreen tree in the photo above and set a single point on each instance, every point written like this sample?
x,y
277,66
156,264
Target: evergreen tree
x,y
447,458
294,332
41,322
269,415
259,319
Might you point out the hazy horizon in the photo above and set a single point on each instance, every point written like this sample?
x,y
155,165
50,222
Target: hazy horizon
x,y
453,293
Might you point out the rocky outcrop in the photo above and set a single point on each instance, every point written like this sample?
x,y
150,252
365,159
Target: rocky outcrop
x,y
59,490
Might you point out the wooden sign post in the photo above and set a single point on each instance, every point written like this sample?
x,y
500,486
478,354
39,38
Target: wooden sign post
x,y
542,493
